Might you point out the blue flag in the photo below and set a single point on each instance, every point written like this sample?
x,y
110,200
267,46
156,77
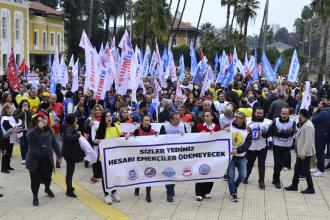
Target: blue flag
x,y
228,78
49,61
267,68
181,69
201,68
255,66
194,65
165,58
216,62
278,64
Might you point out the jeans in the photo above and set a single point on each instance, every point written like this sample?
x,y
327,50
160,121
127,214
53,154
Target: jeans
x,y
240,163
303,167
23,145
280,156
320,142
70,166
170,189
251,158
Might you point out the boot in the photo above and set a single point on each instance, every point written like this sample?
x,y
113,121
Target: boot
x,y
35,201
137,191
70,193
148,196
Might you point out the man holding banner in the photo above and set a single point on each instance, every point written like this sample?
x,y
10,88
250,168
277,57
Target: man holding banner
x,y
241,141
173,127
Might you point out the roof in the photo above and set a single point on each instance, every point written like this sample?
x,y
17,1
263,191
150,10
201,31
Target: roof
x,y
37,6
279,46
183,25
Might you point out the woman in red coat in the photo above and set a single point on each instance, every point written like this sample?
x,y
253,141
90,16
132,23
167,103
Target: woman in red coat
x,y
203,190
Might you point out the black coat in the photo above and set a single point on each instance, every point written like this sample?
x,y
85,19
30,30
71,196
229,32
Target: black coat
x,y
37,137
71,150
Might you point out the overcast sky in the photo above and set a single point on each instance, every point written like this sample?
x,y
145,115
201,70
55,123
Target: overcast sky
x,y
282,12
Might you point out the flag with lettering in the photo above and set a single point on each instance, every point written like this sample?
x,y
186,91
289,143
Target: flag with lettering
x,y
55,72
224,63
165,58
216,62
181,68
267,68
294,68
75,76
12,72
193,58
278,64
64,72
145,63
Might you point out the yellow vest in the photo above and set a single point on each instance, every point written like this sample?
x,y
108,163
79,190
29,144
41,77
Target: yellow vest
x,y
34,103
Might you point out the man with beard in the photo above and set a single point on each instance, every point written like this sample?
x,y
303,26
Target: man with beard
x,y
258,147
282,131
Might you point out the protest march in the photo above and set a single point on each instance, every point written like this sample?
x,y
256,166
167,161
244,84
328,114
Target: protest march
x,y
134,116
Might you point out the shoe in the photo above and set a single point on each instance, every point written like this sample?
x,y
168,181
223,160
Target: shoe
x,y
5,171
314,170
225,177
148,197
308,191
234,198
35,202
207,196
136,191
23,162
318,174
285,169
108,199
58,165
261,185
1,195
277,184
291,188
10,168
245,181
327,167
94,180
302,177
199,198
115,197
86,164
49,193
170,198
71,194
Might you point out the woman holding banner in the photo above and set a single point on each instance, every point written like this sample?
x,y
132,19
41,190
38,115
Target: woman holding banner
x,y
107,129
203,190
144,130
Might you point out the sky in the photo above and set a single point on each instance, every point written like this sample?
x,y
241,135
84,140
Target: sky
x,y
282,12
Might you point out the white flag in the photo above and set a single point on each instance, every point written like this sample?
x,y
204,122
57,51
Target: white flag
x,y
64,72
306,100
178,92
75,76
294,68
71,63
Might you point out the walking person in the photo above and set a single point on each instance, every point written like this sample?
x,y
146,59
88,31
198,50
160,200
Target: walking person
x,y
174,126
39,160
305,149
241,140
71,150
107,129
9,130
258,146
144,130
282,131
24,114
203,190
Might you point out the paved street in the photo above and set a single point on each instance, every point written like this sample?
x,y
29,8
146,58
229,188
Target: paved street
x,y
253,202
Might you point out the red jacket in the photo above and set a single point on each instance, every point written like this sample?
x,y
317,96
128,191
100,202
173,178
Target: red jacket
x,y
201,127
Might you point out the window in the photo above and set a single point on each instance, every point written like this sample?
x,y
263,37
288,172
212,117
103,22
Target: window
x,y
36,38
4,61
17,29
18,59
4,26
173,41
44,40
52,40
59,41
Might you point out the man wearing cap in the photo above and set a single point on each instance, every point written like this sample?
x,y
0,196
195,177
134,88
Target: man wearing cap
x,y
241,141
45,96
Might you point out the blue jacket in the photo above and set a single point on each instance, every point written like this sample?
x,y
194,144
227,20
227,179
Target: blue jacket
x,y
321,123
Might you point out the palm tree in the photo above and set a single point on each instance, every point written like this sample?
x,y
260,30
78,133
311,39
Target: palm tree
x,y
246,10
177,28
199,20
235,4
114,9
173,20
90,18
228,4
152,20
322,9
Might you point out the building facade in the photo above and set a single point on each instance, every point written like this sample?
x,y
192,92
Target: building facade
x,y
32,29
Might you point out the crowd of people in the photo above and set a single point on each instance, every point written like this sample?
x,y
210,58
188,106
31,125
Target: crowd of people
x,y
267,115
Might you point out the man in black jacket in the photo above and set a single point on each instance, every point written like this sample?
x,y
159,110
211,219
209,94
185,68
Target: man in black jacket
x,y
241,141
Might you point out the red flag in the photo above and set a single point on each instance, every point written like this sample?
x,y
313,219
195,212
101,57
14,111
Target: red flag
x,y
201,54
12,73
23,67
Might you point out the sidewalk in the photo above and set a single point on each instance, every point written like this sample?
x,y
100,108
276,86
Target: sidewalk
x,y
253,203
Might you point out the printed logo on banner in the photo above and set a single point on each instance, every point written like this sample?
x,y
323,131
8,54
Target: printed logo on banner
x,y
187,171
237,139
204,169
132,175
169,172
150,172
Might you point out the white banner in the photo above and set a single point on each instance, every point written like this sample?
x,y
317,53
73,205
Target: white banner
x,y
165,159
